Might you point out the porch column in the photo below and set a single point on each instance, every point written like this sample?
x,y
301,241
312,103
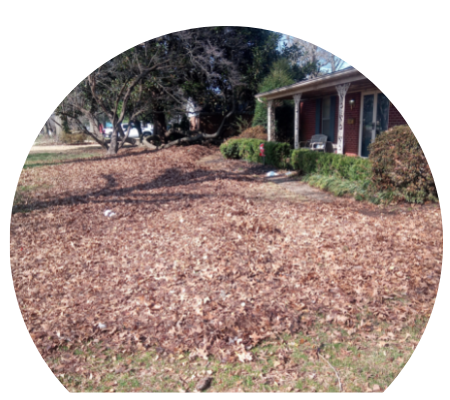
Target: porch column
x,y
297,99
342,91
270,121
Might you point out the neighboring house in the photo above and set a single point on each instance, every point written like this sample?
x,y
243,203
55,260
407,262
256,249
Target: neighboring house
x,y
193,114
209,122
344,105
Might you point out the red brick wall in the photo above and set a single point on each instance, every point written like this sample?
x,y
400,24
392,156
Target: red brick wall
x,y
351,131
307,119
395,118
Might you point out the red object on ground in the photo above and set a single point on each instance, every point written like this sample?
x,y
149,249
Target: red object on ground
x,y
261,150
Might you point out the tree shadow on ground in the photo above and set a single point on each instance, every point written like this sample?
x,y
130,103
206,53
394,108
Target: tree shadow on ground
x,y
112,192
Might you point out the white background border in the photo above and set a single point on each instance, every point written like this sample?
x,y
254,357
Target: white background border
x,y
49,46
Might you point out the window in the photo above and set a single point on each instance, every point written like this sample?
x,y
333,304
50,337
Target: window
x,y
325,116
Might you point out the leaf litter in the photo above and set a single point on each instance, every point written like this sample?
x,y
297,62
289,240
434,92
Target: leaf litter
x,y
194,260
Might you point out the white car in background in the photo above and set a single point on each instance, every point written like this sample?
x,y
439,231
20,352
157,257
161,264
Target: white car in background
x,y
107,130
133,131
147,130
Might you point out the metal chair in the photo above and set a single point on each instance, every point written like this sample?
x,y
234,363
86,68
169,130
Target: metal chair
x,y
318,142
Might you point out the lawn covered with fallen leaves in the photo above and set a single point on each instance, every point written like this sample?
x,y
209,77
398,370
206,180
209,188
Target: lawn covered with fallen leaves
x,y
199,264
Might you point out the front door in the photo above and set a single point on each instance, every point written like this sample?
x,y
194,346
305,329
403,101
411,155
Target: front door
x,y
375,118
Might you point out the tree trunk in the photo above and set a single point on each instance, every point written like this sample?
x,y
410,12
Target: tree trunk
x,y
138,126
201,136
59,128
93,126
113,145
159,124
45,130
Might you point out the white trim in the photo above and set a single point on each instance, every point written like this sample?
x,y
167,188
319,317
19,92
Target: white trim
x,y
297,99
342,92
269,120
326,81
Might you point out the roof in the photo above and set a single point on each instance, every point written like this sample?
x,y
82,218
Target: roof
x,y
320,84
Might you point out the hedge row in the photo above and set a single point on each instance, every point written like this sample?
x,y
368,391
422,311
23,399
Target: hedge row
x,y
276,153
281,155
396,166
351,168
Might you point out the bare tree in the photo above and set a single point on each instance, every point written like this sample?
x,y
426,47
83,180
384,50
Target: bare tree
x,y
147,79
322,60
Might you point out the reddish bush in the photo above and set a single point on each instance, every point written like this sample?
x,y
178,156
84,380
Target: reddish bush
x,y
398,164
255,132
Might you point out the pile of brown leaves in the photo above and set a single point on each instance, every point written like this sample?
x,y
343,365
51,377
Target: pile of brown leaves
x,y
192,261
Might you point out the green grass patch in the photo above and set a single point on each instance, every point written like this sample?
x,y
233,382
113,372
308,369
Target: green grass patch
x,y
288,363
361,190
47,159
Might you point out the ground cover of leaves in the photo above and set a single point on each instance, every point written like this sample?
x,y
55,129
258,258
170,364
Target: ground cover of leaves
x,y
196,265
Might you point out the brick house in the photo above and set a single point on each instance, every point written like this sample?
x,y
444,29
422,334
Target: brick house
x,y
344,105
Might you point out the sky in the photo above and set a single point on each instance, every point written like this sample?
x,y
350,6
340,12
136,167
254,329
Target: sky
x,y
324,69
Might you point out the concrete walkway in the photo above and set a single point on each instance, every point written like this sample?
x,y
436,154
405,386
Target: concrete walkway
x,y
293,184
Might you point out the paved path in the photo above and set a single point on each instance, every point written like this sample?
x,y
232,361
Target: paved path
x,y
291,183
295,185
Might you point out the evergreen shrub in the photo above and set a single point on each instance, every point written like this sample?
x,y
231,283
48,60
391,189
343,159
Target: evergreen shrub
x,y
327,164
276,154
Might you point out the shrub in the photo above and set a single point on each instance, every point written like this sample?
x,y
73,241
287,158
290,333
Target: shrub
x,y
254,132
248,149
340,187
327,164
398,164
277,154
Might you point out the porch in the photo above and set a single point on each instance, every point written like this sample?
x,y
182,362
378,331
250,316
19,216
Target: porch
x,y
344,105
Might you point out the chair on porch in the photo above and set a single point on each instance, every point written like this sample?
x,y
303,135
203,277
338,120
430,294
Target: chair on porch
x,y
318,142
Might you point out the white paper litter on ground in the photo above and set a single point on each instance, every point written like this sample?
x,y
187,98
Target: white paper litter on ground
x,y
109,213
271,173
